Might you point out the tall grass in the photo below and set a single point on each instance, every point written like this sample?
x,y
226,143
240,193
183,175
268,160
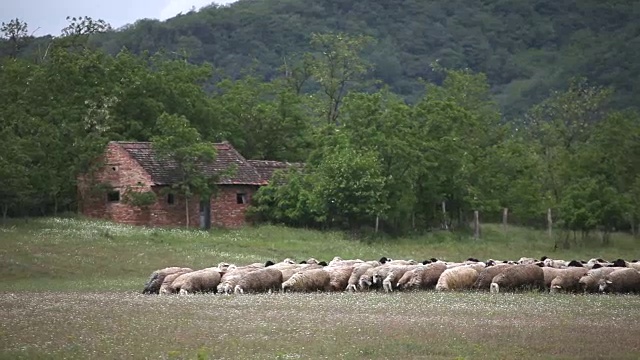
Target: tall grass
x,y
81,254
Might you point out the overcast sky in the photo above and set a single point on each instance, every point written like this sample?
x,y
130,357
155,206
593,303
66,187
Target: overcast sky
x,y
50,15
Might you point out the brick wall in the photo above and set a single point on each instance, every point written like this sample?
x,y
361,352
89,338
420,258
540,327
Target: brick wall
x,y
225,210
122,171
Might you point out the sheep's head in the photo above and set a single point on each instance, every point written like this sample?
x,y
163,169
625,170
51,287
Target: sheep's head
x,y
364,282
603,285
289,261
494,288
377,278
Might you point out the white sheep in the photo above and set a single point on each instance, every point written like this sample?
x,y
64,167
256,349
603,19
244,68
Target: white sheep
x,y
457,278
308,281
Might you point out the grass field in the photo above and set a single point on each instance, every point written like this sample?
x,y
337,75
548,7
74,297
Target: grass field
x,y
70,289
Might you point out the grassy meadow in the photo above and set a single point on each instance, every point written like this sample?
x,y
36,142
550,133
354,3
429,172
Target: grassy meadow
x,y
70,289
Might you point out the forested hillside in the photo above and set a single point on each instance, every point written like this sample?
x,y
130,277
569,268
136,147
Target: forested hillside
x,y
338,86
526,48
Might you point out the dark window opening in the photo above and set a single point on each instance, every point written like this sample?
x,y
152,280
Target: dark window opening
x,y
171,199
113,196
241,198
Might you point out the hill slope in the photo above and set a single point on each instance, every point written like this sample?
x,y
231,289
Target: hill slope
x,y
526,48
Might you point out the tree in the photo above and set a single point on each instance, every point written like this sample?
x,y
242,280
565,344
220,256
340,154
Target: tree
x,y
180,144
16,32
337,64
349,187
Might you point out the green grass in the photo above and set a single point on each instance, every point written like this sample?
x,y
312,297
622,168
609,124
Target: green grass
x,y
70,289
85,255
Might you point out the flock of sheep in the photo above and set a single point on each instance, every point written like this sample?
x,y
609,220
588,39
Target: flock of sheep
x,y
595,275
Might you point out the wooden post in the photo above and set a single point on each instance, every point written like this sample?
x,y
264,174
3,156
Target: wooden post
x,y
549,224
444,215
476,225
505,218
377,223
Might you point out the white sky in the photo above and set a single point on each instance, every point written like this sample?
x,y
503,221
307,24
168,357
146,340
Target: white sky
x,y
50,15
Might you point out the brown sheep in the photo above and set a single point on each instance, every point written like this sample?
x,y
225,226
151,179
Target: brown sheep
x,y
487,274
339,276
589,282
518,277
308,281
625,280
569,280
262,280
550,274
457,278
425,277
166,288
205,280
157,277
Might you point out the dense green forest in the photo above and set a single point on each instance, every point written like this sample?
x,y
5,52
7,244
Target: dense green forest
x,y
402,125
526,48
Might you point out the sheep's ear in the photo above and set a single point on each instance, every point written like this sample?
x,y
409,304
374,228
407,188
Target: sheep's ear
x,y
609,282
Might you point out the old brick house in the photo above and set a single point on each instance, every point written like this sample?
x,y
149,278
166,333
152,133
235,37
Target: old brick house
x,y
133,166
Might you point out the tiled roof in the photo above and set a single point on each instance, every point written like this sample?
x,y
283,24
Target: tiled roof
x,y
165,172
266,167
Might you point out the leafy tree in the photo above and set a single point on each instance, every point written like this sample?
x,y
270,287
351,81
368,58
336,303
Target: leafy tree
x,y
16,32
336,65
349,187
178,142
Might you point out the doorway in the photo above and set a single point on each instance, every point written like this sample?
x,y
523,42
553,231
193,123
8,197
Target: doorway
x,y
205,214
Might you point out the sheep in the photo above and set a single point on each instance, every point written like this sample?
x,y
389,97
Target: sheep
x,y
618,263
152,286
589,282
634,265
230,279
424,277
550,274
358,271
166,288
308,281
339,276
401,262
458,278
341,262
395,274
519,276
625,280
289,271
365,282
205,280
568,280
558,264
262,280
527,261
487,274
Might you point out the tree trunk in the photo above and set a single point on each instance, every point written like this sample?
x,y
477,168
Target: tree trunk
x,y
444,215
186,208
377,223
476,225
549,224
55,206
505,218
5,209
